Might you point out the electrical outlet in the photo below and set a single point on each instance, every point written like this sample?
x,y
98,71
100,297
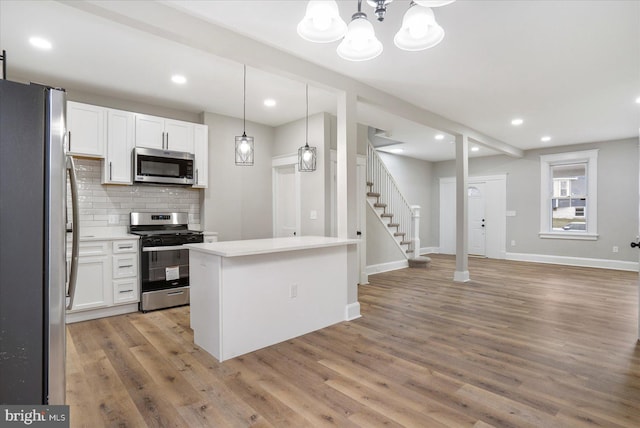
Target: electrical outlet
x,y
615,248
513,242
293,291
114,219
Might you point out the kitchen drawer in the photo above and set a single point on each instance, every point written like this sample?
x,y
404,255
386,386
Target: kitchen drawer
x,y
125,290
90,248
128,246
125,265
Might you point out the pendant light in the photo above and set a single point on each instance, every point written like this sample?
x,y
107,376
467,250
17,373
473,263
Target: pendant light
x,y
244,144
306,154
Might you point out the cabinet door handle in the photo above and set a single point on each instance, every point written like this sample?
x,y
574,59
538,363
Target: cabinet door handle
x,y
69,140
167,141
110,171
197,179
128,247
125,266
125,291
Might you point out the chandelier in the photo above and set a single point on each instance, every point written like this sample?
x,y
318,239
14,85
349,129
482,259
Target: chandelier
x,y
322,24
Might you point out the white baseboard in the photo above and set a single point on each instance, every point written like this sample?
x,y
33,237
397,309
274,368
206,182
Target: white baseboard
x,y
353,311
386,267
101,313
462,276
429,250
574,261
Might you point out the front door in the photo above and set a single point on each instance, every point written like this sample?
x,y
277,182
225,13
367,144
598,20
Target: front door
x,y
477,223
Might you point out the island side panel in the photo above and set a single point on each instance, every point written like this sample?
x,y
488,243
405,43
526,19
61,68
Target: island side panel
x,y
205,279
270,298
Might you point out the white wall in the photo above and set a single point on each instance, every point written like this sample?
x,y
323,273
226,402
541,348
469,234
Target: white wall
x,y
617,201
414,180
238,203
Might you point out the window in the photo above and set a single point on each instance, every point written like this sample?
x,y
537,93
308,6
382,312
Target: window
x,y
568,195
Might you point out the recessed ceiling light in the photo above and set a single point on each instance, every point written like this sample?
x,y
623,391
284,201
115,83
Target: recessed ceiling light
x,y
638,100
439,137
545,139
517,122
179,79
475,149
40,43
270,102
396,150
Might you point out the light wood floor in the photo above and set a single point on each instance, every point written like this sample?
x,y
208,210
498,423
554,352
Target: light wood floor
x,y
522,345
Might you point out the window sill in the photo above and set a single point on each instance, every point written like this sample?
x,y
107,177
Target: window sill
x,y
579,236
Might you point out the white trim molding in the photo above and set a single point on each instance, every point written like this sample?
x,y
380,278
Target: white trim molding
x,y
386,267
352,311
590,157
461,276
575,261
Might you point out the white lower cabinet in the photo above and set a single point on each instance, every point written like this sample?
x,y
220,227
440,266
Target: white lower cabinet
x,y
92,290
108,279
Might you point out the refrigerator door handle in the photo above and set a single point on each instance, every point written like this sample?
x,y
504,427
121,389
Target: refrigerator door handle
x,y
73,276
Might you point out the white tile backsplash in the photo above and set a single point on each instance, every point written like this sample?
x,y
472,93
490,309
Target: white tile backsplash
x,y
98,201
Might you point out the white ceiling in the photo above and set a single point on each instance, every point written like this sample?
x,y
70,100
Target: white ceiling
x,y
570,69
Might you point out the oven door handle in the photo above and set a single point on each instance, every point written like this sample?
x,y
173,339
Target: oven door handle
x,y
165,248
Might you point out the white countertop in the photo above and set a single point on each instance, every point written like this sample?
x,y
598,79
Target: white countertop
x,y
103,234
270,245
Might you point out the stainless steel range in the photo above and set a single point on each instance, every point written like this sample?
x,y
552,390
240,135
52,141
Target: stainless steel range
x,y
164,262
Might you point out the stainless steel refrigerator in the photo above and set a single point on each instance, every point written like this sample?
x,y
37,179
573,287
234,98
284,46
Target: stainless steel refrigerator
x,y
33,243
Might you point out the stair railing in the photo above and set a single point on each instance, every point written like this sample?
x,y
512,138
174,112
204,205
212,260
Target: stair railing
x,y
390,194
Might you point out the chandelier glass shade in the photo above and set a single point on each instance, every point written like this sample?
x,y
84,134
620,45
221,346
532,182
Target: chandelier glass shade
x,y
360,42
322,22
419,31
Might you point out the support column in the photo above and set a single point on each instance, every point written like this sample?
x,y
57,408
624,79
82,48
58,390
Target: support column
x,y
462,223
347,198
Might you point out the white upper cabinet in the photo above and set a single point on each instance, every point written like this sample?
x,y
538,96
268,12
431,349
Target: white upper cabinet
x,y
86,129
149,131
166,134
120,143
201,151
178,135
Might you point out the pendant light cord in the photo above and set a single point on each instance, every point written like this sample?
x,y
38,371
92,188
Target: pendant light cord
x,y
307,124
244,102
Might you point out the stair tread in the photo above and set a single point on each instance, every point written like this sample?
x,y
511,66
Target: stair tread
x,y
405,242
373,194
380,205
369,183
393,225
386,215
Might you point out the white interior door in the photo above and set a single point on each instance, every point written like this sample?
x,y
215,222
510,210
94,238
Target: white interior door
x,y
477,220
285,201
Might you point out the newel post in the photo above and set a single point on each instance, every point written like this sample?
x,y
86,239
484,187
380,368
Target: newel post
x,y
415,228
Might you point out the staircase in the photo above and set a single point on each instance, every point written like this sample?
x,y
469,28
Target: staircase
x,y
393,209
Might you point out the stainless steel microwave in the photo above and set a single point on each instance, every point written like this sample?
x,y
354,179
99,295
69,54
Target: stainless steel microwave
x,y
162,166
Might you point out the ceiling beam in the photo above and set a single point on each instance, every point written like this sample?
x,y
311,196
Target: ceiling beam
x,y
164,21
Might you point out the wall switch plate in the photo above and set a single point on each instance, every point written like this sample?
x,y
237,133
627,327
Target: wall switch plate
x,y
513,242
511,213
313,215
293,291
114,219
615,248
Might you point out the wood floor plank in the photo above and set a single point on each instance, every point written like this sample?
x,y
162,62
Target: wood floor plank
x,y
520,345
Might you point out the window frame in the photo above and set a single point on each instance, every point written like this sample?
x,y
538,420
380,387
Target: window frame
x,y
590,157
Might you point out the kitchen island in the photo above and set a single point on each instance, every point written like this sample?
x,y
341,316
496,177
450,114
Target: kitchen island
x,y
246,295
